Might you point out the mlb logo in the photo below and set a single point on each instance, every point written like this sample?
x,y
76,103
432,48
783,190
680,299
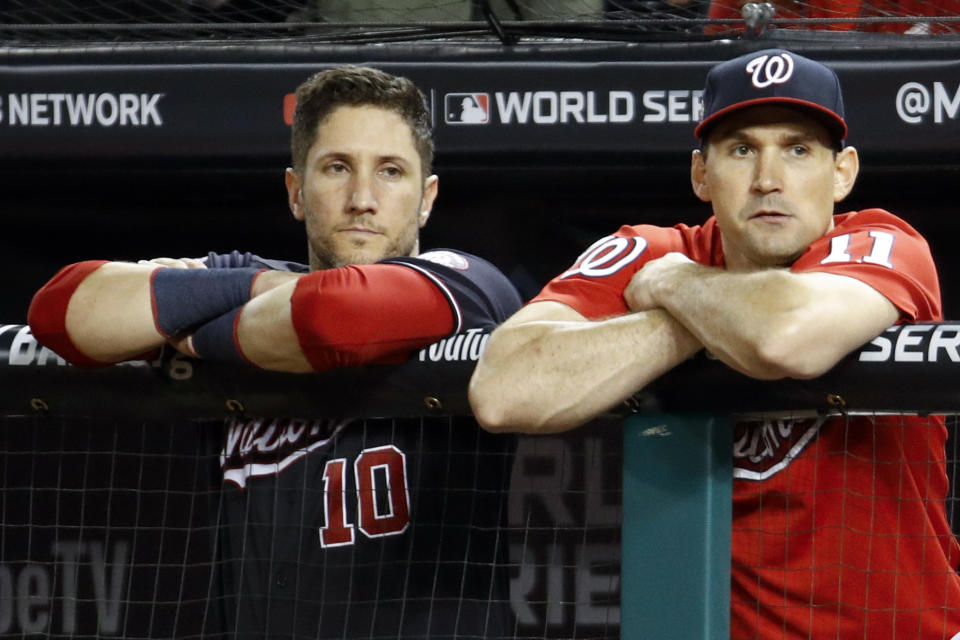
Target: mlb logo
x,y
466,108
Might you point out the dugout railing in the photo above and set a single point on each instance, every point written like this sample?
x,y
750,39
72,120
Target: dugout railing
x,y
110,489
107,480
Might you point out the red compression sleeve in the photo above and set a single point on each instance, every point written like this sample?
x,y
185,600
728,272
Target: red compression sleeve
x,y
47,316
357,315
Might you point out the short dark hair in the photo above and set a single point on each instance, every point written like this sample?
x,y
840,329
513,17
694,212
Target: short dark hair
x,y
355,86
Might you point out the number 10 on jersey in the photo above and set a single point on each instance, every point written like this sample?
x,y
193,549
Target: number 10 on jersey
x,y
383,508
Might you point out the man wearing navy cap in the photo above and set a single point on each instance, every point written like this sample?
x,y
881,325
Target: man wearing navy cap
x,y
839,524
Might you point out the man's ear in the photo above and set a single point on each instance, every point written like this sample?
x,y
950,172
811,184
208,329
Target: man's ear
x,y
430,187
698,175
846,169
294,192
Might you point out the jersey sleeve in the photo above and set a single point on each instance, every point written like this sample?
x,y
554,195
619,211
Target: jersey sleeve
x,y
478,293
884,252
594,285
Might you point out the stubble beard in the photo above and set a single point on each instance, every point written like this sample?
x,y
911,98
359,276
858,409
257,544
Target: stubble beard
x,y
324,254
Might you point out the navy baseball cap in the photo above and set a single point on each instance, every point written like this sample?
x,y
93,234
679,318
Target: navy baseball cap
x,y
773,76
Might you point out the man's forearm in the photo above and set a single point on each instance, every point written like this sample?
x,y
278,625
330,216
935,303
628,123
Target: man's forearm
x,y
104,312
104,315
349,316
555,371
773,323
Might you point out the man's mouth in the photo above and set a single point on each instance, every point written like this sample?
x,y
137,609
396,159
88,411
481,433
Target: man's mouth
x,y
769,216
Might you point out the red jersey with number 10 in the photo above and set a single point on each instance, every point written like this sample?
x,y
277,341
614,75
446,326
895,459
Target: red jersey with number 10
x,y
839,524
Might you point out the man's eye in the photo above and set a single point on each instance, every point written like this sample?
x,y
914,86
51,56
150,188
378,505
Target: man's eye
x,y
391,172
741,150
336,167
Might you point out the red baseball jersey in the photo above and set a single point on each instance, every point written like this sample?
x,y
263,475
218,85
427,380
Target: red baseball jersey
x,y
839,524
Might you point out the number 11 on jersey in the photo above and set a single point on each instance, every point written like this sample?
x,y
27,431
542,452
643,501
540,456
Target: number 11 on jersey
x,y
880,250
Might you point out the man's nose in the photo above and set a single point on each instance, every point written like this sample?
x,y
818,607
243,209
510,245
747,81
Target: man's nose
x,y
363,197
768,172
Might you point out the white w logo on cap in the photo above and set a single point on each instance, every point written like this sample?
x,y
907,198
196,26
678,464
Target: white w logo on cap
x,y
768,70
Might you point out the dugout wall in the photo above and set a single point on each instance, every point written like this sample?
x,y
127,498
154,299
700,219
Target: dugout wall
x,y
110,486
111,495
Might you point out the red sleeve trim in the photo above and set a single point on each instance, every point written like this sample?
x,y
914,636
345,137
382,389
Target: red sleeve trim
x,y
47,315
362,314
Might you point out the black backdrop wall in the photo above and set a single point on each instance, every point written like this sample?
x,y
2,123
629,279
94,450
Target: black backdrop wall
x,y
578,140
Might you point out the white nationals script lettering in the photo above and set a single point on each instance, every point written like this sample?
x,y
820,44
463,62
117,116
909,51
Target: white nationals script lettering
x,y
265,447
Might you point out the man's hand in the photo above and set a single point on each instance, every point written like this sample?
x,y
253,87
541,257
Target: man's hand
x,y
641,293
184,345
264,282
767,324
176,263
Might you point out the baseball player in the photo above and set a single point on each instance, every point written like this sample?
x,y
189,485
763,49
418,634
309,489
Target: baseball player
x,y
331,528
839,524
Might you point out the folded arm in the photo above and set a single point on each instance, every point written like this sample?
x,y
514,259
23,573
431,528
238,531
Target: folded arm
x,y
97,312
342,317
548,368
766,324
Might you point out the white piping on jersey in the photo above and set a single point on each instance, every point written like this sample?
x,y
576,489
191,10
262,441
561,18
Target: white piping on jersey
x,y
446,292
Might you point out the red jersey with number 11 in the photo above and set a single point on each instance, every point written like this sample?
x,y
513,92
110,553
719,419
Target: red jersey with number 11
x,y
839,524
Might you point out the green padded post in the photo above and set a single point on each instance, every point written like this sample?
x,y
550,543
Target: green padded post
x,y
677,499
